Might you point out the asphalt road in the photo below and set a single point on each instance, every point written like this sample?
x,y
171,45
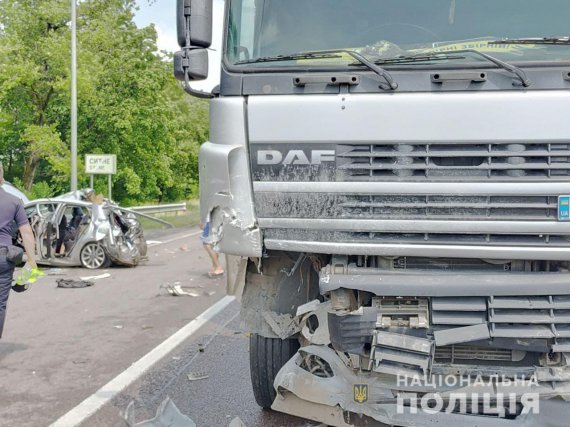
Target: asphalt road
x,y
61,345
218,351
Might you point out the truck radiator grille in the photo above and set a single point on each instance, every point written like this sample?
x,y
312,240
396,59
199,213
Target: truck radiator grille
x,y
452,353
408,207
519,208
457,160
508,317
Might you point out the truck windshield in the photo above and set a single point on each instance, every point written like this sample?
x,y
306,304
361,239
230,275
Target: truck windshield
x,y
392,28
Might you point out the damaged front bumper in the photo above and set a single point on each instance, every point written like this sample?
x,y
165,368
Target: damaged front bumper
x,y
472,350
345,397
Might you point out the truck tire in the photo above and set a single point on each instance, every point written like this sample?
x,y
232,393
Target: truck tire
x,y
266,357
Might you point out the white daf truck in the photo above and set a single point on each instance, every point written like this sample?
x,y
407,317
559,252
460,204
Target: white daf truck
x,y
392,182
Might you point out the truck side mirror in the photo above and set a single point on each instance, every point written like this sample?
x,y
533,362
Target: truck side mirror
x,y
194,23
191,63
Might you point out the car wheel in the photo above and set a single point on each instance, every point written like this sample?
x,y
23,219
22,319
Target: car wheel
x,y
93,256
266,357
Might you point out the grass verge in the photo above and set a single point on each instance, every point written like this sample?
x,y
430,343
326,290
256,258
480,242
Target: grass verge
x,y
190,218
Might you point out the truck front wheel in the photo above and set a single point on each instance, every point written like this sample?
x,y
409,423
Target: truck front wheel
x,y
266,357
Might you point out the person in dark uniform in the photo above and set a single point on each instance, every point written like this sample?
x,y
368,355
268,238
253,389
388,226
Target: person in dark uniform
x,y
68,232
11,210
60,247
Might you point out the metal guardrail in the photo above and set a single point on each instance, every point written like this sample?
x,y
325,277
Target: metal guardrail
x,y
159,209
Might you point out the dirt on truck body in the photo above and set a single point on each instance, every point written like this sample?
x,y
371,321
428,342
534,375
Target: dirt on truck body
x,y
391,181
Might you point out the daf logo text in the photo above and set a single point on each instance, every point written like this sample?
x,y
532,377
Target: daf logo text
x,y
294,157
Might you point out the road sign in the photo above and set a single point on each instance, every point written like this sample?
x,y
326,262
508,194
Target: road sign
x,y
101,164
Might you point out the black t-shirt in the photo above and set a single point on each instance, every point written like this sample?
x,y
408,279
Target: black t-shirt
x,y
11,209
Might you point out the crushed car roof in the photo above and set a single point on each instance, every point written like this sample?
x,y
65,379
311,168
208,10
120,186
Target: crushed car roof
x,y
58,200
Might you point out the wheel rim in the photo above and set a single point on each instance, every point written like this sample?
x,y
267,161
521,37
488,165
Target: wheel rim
x,y
93,256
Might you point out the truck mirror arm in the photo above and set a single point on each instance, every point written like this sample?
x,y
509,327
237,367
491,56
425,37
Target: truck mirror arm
x,y
191,91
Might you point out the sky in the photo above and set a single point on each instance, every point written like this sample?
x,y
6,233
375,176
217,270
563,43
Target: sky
x,y
162,14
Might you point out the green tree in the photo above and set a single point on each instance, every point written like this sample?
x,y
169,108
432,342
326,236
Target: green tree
x,y
129,103
33,70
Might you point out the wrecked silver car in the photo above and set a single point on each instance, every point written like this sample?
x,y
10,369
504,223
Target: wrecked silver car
x,y
74,231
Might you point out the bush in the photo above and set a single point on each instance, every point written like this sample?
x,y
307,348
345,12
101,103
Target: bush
x,y
40,190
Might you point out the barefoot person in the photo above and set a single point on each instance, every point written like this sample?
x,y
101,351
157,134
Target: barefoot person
x,y
11,209
217,269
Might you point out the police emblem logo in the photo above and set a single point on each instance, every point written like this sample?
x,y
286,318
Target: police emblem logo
x,y
361,393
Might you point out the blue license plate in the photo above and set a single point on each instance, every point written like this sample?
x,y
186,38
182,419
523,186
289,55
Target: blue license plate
x,y
564,208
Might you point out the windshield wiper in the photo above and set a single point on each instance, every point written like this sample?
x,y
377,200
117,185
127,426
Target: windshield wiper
x,y
451,55
520,74
416,58
292,57
324,54
537,40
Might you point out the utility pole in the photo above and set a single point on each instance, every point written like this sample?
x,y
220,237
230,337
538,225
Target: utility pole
x,y
73,95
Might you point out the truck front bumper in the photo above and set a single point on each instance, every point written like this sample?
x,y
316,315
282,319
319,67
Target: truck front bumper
x,y
339,400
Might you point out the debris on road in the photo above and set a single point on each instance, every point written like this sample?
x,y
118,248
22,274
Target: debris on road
x,y
191,294
210,293
179,291
167,415
176,290
118,326
74,284
194,286
99,277
55,271
184,248
237,422
196,376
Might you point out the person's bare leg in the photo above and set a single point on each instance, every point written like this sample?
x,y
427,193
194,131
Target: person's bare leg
x,y
217,268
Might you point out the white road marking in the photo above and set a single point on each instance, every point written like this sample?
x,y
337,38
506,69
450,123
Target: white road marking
x,y
166,242
109,391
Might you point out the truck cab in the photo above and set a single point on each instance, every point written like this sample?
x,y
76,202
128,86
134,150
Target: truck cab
x,y
391,183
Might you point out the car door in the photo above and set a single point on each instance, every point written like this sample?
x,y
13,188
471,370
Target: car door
x,y
42,220
78,219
